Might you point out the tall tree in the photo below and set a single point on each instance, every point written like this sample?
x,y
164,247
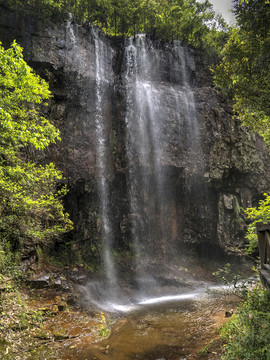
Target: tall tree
x,y
30,204
244,72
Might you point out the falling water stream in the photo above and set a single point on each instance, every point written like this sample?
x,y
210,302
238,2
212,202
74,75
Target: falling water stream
x,y
150,187
102,57
144,154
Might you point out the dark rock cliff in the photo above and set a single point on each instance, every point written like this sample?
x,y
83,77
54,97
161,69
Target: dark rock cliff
x,y
204,210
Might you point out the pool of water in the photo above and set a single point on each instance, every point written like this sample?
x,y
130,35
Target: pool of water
x,y
167,328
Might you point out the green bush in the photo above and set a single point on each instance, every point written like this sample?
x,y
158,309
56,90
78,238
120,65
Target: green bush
x,y
247,334
31,208
9,261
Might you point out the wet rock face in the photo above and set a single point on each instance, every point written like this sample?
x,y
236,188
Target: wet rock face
x,y
209,178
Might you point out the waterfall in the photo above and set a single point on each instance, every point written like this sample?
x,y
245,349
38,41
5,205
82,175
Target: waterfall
x,y
184,96
148,112
103,57
159,121
144,153
70,36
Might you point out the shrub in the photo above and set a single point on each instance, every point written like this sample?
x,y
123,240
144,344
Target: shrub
x,y
247,333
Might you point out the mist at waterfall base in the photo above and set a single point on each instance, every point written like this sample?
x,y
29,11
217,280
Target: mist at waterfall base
x,y
160,119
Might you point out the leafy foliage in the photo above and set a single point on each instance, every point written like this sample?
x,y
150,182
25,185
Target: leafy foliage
x,y
30,205
259,214
244,72
186,20
248,332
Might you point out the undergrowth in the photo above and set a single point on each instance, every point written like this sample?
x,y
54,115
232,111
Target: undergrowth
x,y
247,333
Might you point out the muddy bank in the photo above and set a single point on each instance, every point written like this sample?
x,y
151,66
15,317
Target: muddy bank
x,y
41,315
